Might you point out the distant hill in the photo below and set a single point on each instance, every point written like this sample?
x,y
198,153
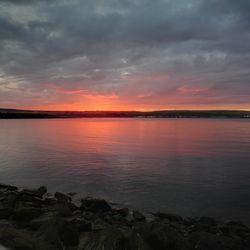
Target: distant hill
x,y
26,114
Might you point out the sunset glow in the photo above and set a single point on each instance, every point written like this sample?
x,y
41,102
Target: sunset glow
x,y
97,55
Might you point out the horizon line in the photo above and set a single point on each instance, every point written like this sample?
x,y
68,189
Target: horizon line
x,y
141,111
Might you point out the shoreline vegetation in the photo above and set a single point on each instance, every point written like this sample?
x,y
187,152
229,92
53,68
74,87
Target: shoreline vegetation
x,y
33,219
33,114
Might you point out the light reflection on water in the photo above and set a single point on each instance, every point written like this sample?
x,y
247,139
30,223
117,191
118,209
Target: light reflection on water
x,y
189,166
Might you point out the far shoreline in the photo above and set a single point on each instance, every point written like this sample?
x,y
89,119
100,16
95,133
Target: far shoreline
x,y
31,114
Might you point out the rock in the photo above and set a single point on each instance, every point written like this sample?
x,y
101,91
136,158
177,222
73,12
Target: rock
x,y
8,187
14,238
50,201
99,224
42,190
35,192
11,199
22,214
122,211
59,232
237,224
208,241
8,204
189,222
5,212
111,239
89,215
62,197
134,241
35,199
63,209
72,194
169,216
208,221
36,223
237,228
95,205
160,236
138,216
82,224
2,247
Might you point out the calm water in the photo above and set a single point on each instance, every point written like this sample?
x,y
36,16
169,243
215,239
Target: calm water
x,y
188,166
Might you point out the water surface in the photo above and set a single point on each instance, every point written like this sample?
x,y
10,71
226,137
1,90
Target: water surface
x,y
188,166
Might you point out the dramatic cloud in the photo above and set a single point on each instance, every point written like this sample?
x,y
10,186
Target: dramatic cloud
x,y
125,54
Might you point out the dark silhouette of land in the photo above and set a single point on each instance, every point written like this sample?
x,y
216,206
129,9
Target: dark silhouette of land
x,y
33,114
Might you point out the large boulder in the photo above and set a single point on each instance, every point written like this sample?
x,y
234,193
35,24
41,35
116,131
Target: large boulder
x,y
8,187
63,208
160,236
234,228
95,205
23,214
36,223
62,197
169,216
211,222
7,204
14,238
59,233
35,192
121,211
138,216
208,241
110,238
81,224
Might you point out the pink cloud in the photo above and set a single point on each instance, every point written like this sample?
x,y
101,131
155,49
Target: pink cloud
x,y
192,90
142,77
63,90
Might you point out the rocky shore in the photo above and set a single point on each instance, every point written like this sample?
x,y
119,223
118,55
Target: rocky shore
x,y
33,219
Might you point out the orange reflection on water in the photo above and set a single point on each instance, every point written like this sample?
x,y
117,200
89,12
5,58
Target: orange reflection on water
x,y
133,137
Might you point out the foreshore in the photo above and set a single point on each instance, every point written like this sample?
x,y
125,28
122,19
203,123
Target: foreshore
x,y
32,219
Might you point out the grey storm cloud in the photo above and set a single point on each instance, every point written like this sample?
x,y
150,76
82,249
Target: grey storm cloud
x,y
113,46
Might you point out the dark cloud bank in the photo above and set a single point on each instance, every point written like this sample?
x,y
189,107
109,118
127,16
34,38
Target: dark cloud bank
x,y
148,53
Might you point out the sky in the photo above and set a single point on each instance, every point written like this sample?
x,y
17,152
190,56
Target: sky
x,y
125,54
